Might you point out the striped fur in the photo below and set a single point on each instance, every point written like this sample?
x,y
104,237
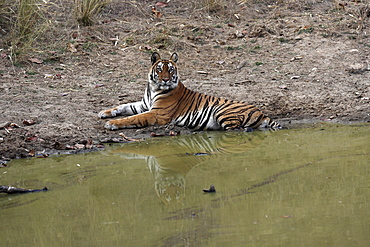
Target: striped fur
x,y
167,100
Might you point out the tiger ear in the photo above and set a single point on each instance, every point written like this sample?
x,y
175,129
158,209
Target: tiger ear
x,y
155,57
174,57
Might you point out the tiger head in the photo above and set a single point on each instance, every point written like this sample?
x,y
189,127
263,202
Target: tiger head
x,y
163,73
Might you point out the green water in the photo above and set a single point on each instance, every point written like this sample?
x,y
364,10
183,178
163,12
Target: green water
x,y
299,187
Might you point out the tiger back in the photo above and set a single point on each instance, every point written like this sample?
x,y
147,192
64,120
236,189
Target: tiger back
x,y
167,100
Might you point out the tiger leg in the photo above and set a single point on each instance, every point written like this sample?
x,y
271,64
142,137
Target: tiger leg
x,y
137,121
254,119
231,124
268,123
125,109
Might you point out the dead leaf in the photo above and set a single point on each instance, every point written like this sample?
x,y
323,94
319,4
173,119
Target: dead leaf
x,y
79,146
145,48
173,133
100,145
35,60
161,4
89,144
156,13
99,85
28,122
115,40
69,147
31,153
42,156
58,145
72,47
32,138
342,5
296,58
156,135
14,125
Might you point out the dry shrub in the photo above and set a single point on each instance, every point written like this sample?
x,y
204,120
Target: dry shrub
x,y
213,6
362,13
28,17
26,23
86,10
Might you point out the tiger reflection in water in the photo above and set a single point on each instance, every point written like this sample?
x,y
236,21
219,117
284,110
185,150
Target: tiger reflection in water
x,y
180,154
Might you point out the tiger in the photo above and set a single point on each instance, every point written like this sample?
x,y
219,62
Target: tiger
x,y
166,100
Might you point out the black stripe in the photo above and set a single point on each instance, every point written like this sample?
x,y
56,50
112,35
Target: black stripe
x,y
256,123
250,114
133,109
206,118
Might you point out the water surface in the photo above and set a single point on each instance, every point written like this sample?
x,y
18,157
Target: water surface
x,y
299,187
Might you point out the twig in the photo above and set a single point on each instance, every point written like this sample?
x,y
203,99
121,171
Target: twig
x,y
129,139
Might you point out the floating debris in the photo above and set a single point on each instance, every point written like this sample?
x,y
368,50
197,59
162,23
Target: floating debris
x,y
14,190
210,190
171,133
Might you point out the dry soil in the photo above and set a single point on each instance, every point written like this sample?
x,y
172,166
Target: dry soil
x,y
298,61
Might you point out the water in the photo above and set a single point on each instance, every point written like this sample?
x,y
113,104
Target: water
x,y
299,187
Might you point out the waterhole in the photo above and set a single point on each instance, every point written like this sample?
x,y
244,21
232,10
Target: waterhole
x,y
298,187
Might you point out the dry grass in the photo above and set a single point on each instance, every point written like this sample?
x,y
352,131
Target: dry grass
x,y
362,14
28,16
26,22
86,10
213,6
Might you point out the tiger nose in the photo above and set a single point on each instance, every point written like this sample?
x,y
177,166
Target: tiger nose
x,y
165,79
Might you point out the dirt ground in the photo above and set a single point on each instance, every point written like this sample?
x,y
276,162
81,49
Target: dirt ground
x,y
296,60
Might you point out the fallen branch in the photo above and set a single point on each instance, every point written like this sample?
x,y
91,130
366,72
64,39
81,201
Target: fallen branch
x,y
14,190
129,139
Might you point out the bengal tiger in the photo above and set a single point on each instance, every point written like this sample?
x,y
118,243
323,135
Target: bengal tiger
x,y
167,100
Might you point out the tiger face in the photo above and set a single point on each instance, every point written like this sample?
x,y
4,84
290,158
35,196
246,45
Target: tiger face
x,y
163,73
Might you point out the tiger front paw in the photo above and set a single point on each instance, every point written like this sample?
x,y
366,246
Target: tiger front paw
x,y
110,125
107,114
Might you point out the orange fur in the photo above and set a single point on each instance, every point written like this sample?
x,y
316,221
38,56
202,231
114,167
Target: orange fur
x,y
167,100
